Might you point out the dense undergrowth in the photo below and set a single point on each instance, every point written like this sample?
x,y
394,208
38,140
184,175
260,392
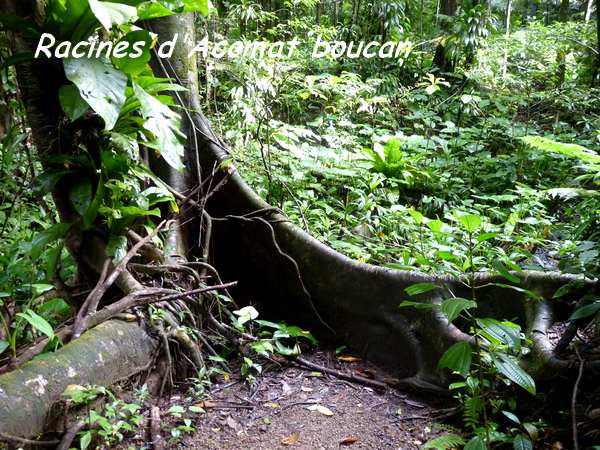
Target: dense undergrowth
x,y
380,161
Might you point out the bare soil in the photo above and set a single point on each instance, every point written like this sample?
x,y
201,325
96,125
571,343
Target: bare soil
x,y
292,407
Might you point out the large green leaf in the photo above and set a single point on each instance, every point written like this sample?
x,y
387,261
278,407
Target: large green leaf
x,y
452,307
117,248
506,333
164,124
46,237
509,367
71,101
470,222
109,13
134,66
37,322
64,16
100,84
420,288
586,311
3,346
81,195
522,443
502,270
477,443
457,358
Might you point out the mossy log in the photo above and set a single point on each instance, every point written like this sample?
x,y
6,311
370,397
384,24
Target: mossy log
x,y
112,351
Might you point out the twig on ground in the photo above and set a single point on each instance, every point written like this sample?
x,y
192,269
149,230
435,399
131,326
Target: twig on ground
x,y
339,374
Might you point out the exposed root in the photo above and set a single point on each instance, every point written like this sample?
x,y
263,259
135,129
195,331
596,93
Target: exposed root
x,y
90,305
69,436
158,442
20,440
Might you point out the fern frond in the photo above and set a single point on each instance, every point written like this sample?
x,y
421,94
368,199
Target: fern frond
x,y
444,442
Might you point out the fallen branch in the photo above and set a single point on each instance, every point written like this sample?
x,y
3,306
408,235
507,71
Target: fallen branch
x,y
20,440
339,374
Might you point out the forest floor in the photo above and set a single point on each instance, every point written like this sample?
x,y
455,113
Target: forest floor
x,y
292,407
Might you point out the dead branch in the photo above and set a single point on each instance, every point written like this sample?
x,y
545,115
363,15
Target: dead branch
x,y
90,305
158,442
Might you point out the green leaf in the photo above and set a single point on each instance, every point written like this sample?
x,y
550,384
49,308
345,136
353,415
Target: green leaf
x,y
457,358
486,236
585,311
63,17
71,102
117,248
572,150
160,8
506,333
452,307
134,66
477,443
444,442
16,59
100,84
512,417
527,292
420,288
85,440
3,346
509,367
49,235
164,124
92,210
37,322
153,10
470,222
502,270
521,442
418,305
55,308
200,6
126,144
109,13
81,196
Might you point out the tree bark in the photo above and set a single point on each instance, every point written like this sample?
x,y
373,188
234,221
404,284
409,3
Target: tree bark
x,y
440,59
506,45
113,351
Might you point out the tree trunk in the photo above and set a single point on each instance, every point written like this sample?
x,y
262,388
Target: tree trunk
x,y
588,10
506,45
441,60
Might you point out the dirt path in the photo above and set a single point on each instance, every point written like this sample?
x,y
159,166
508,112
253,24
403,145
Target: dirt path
x,y
295,408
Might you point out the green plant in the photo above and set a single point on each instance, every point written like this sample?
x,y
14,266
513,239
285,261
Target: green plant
x,y
491,360
111,422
